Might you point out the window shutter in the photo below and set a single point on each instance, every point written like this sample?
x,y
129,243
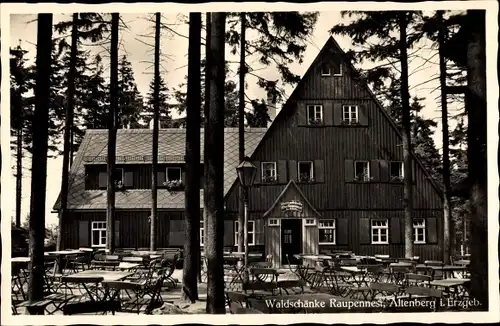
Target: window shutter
x,y
337,114
117,234
328,113
160,178
342,230
292,169
129,179
259,231
364,231
176,234
258,173
228,233
282,172
349,170
432,231
301,114
83,234
395,230
103,180
363,115
374,170
384,170
319,171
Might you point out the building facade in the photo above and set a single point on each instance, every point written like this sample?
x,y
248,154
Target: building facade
x,y
329,176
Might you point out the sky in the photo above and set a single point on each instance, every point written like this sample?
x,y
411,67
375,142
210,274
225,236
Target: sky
x,y
174,45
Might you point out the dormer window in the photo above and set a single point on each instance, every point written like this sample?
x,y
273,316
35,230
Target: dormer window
x,y
325,70
315,114
174,174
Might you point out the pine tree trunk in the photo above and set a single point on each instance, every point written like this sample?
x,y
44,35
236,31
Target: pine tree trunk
x,y
447,243
206,113
408,175
19,172
192,187
68,126
241,131
214,138
476,154
156,118
39,159
112,123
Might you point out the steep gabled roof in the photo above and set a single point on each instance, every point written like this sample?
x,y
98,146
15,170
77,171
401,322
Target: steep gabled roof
x,y
286,110
287,188
133,146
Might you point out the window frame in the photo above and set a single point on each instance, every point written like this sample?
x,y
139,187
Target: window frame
x,y
367,177
249,232
422,227
323,65
340,71
399,178
311,179
202,234
309,221
349,121
277,220
92,229
321,113
263,177
379,233
323,227
173,167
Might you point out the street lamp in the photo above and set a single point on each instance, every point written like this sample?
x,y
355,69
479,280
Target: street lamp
x,y
246,174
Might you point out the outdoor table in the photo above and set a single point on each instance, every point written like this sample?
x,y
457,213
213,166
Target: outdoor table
x,y
128,265
60,254
453,286
97,276
20,260
358,275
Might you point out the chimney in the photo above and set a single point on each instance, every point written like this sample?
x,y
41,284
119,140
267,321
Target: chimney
x,y
271,107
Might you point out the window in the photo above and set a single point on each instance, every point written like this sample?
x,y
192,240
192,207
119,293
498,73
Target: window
x,y
273,222
380,232
325,70
98,234
269,172
118,175
174,174
315,114
202,234
306,171
362,171
397,171
326,231
310,221
419,230
350,114
251,232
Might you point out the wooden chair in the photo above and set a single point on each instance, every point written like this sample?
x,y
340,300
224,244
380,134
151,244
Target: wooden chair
x,y
104,265
383,291
291,285
262,288
413,279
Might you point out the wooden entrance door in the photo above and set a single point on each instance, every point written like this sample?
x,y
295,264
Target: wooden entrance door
x,y
291,240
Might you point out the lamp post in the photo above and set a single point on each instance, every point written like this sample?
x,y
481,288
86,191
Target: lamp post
x,y
246,174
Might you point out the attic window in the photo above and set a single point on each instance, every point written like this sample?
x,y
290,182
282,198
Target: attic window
x,y
173,174
325,70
